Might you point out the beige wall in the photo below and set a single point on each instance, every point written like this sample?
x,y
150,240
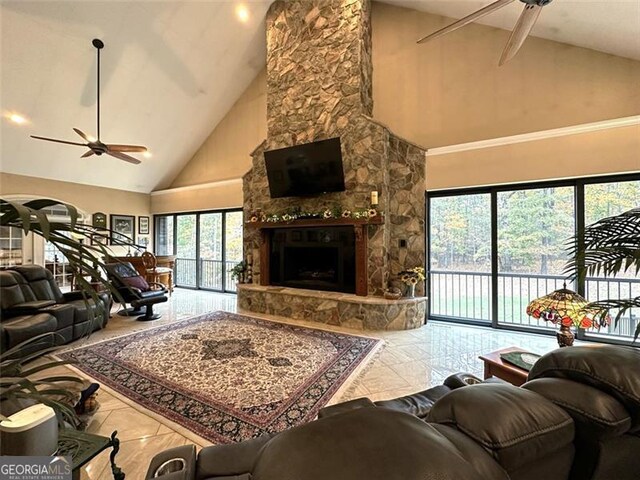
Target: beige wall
x,y
448,92
595,153
87,198
451,90
226,194
225,154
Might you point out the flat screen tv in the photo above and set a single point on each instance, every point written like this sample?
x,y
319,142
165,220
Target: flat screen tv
x,y
305,170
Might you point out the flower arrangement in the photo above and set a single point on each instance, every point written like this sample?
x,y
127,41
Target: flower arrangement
x,y
412,276
297,213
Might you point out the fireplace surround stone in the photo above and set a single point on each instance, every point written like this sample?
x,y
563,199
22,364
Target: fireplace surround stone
x,y
319,74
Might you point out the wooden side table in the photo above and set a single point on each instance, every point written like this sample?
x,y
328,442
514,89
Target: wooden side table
x,y
495,367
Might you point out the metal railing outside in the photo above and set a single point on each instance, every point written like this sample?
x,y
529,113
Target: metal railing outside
x,y
212,273
467,296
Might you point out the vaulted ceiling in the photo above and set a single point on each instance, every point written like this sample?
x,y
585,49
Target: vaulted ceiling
x,y
171,70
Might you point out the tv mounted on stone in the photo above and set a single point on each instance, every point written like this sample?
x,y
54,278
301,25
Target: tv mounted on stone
x,y
305,170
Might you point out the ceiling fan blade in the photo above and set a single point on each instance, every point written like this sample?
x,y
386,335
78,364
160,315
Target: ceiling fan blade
x,y
467,20
82,134
124,157
521,31
57,141
126,148
88,154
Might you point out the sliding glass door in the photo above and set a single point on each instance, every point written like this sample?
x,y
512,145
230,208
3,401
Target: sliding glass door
x,y
210,246
493,250
186,251
533,226
207,245
601,201
460,257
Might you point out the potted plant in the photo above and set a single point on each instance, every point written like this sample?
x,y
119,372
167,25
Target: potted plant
x,y
411,278
608,247
238,272
23,380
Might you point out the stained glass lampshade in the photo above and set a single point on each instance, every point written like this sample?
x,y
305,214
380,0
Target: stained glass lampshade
x,y
566,308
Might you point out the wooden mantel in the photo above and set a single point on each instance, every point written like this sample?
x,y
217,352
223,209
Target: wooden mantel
x,y
360,227
317,222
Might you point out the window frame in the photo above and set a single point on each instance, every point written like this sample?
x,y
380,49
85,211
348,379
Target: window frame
x,y
578,183
198,213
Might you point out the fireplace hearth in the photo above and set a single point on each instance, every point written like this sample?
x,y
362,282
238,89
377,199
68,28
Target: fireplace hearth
x,y
314,258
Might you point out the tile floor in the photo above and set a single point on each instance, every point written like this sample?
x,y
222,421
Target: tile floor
x,y
411,361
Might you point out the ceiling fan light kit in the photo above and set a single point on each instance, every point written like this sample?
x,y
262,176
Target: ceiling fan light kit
x,y
521,31
96,147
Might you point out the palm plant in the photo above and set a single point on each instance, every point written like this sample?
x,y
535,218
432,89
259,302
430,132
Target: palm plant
x,y
18,381
608,247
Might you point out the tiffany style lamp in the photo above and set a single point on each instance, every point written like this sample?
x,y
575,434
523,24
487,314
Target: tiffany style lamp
x,y
566,308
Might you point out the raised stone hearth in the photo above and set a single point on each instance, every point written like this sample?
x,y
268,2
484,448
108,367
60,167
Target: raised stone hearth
x,y
333,308
319,74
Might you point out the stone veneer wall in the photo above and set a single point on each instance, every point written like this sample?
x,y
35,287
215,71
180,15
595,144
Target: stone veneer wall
x,y
319,74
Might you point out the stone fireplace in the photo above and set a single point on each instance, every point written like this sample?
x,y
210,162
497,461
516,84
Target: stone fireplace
x,y
319,86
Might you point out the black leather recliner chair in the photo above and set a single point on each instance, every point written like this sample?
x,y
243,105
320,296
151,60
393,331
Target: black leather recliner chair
x,y
33,304
135,290
577,418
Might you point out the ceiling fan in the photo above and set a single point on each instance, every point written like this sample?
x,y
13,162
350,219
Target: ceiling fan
x,y
96,147
519,34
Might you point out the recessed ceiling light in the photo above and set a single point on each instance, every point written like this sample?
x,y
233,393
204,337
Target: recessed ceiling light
x,y
147,154
16,118
242,12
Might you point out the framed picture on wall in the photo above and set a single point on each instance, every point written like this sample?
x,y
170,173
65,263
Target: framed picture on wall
x,y
123,229
143,241
99,220
143,225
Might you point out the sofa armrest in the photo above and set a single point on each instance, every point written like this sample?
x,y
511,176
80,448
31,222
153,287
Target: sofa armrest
x,y
184,456
28,308
236,459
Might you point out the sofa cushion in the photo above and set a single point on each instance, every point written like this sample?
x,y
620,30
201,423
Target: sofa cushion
x,y
41,282
366,443
516,425
596,413
19,329
10,292
601,367
64,314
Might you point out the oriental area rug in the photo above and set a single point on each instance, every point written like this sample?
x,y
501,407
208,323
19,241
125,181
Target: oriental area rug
x,y
228,377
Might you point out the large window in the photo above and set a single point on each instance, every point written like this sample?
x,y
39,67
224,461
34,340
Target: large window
x,y
207,245
460,260
493,250
533,226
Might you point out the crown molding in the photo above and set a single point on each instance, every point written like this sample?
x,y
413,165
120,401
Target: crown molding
x,y
533,136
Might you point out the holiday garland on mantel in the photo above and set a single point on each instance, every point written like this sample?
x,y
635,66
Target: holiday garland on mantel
x,y
297,213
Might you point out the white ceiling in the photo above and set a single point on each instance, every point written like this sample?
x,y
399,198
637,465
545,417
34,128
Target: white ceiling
x,y
171,71
611,26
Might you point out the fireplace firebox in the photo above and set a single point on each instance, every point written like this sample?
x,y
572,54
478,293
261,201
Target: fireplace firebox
x,y
317,258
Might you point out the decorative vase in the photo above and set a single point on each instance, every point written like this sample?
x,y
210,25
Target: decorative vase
x,y
565,336
411,290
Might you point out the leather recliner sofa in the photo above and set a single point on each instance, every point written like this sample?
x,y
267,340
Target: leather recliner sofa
x,y
33,304
577,418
